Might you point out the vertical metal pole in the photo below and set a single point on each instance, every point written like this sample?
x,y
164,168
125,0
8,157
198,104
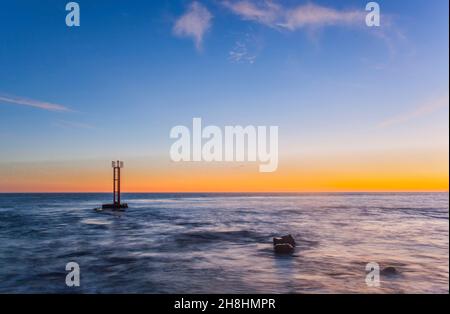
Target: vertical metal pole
x,y
118,185
114,186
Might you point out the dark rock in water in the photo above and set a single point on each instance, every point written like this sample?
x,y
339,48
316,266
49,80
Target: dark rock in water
x,y
389,271
284,245
284,248
285,239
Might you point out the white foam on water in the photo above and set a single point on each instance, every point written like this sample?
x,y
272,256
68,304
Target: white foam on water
x,y
95,222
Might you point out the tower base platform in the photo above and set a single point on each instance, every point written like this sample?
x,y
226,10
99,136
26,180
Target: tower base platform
x,y
113,207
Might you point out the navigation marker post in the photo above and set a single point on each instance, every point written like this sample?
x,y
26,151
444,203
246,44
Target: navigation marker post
x,y
116,205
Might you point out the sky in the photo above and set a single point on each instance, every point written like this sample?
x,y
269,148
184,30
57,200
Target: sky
x,y
358,108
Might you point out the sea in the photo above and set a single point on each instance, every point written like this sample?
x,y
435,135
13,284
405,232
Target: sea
x,y
222,243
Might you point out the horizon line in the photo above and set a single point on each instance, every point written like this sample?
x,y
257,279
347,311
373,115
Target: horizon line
x,y
244,192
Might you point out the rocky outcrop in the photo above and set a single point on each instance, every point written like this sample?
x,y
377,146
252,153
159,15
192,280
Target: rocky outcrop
x,y
285,239
284,245
389,271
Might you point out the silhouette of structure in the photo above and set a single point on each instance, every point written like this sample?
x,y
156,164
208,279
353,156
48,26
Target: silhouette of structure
x,y
116,205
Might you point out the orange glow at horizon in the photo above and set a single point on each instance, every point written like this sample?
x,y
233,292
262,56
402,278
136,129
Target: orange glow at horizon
x,y
420,172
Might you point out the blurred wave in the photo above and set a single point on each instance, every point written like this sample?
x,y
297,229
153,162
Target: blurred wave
x,y
221,243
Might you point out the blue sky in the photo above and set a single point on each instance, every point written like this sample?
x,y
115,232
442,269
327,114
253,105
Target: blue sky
x,y
127,75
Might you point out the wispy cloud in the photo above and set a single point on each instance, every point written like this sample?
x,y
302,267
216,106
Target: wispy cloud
x,y
240,53
33,103
264,12
194,23
292,18
245,49
418,112
311,15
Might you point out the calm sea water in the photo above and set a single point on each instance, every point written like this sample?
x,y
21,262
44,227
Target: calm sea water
x,y
212,243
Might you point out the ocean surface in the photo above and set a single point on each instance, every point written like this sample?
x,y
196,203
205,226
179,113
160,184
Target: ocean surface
x,y
219,243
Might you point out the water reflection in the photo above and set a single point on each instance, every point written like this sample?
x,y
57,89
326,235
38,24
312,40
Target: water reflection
x,y
221,243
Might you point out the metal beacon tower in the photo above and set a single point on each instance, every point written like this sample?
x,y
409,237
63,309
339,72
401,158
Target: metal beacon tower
x,y
116,205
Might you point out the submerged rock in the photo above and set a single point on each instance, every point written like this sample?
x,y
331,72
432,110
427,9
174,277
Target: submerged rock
x,y
285,239
389,271
284,245
284,248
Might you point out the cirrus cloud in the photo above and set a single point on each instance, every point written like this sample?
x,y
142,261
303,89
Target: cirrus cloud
x,y
33,103
194,23
318,16
418,112
264,12
274,15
